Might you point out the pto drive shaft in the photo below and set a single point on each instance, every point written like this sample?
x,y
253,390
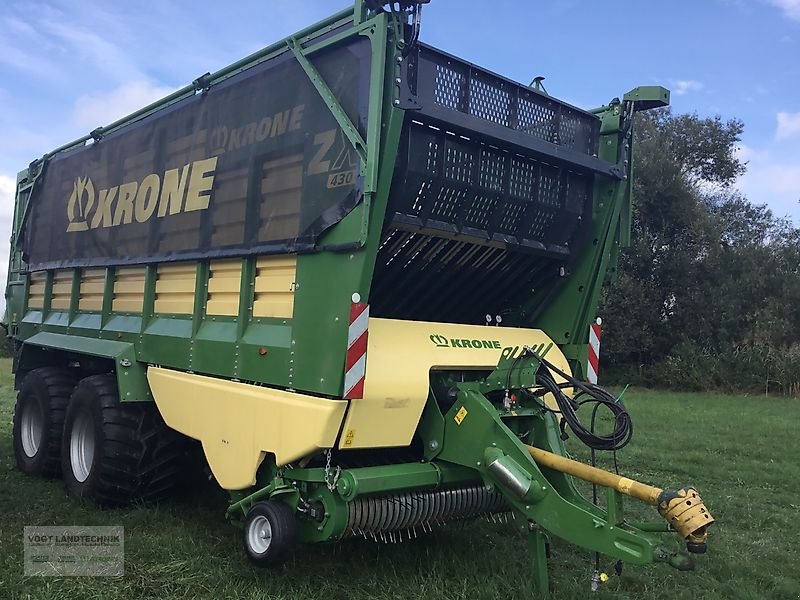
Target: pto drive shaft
x,y
683,508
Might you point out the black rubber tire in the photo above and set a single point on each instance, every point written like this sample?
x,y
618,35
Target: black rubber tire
x,y
136,457
283,533
47,389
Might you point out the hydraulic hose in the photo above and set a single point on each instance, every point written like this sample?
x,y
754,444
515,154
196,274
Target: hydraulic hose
x,y
682,508
593,394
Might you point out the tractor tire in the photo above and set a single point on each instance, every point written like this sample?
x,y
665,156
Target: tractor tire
x,y
270,533
39,420
115,453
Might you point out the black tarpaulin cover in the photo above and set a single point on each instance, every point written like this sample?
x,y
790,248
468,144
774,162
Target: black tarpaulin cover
x,y
257,164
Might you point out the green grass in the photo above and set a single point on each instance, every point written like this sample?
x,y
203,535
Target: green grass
x,y
742,453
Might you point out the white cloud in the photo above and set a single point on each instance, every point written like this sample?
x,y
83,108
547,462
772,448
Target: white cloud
x,y
19,26
788,125
93,110
777,185
8,187
105,55
681,87
790,8
747,153
783,179
772,179
26,61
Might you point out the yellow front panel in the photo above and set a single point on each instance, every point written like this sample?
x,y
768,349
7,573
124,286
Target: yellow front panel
x,y
224,284
62,289
93,282
36,286
175,286
128,289
274,286
400,357
239,423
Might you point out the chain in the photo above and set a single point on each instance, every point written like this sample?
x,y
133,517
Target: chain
x,y
331,481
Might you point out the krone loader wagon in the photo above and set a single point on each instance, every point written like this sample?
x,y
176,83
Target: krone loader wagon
x,y
361,272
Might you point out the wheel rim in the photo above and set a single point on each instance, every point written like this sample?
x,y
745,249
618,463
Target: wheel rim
x,y
31,428
81,447
259,534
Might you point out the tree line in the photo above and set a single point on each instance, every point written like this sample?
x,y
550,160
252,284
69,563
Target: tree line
x,y
707,297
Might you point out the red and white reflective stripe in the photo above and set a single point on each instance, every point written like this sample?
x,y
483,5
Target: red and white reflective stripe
x,y
355,368
594,352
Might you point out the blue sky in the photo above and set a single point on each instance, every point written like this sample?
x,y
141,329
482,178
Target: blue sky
x,y
67,66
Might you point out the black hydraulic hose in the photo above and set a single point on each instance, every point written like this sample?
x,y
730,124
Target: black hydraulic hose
x,y
588,393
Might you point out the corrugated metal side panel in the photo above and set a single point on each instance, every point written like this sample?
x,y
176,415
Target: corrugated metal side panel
x,y
91,292
36,287
175,287
129,289
62,289
274,286
224,283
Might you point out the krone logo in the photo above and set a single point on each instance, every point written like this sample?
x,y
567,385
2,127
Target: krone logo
x,y
439,340
171,192
80,203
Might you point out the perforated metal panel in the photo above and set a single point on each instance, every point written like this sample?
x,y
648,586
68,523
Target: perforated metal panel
x,y
454,185
453,84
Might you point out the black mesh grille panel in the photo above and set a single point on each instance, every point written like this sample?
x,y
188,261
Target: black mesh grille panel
x,y
468,89
450,184
489,100
449,87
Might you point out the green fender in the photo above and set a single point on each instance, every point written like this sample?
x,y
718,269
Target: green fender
x,y
131,374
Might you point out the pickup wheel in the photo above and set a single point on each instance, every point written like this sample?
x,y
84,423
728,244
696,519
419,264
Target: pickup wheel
x,y
270,533
116,453
39,420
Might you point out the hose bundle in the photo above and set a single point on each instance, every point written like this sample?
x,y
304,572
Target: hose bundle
x,y
588,393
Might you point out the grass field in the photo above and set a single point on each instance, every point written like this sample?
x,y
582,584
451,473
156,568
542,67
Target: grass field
x,y
742,453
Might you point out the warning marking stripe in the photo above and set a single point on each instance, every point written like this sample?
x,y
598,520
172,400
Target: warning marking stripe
x,y
593,364
356,358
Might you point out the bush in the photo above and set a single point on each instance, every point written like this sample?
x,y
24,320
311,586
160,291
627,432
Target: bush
x,y
758,369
